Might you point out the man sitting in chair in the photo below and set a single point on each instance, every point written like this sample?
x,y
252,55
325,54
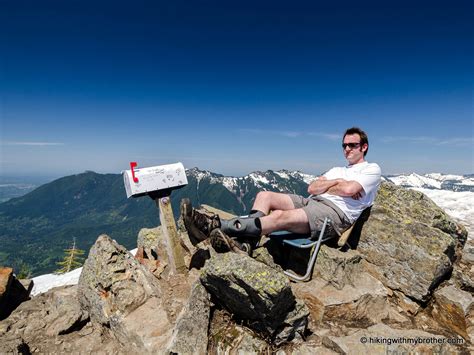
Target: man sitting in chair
x,y
341,194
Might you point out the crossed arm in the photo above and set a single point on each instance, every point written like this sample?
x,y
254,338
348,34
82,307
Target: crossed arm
x,y
339,187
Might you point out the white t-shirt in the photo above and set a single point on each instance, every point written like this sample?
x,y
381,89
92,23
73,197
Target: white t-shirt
x,y
366,174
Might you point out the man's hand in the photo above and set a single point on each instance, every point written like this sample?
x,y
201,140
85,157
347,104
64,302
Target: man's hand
x,y
321,185
346,188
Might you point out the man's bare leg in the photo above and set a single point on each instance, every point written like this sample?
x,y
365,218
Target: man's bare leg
x,y
267,201
294,220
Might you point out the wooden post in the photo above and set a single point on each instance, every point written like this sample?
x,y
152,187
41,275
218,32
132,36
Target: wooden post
x,y
175,251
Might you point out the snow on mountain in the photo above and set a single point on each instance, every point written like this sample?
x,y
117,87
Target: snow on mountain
x,y
415,180
435,181
230,183
259,179
441,177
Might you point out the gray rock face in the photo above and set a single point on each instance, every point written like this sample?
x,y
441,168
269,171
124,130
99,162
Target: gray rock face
x,y
112,282
257,294
227,337
12,292
454,309
53,322
382,339
463,273
364,303
191,331
121,293
336,267
410,241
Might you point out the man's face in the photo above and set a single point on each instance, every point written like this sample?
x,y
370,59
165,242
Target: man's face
x,y
353,150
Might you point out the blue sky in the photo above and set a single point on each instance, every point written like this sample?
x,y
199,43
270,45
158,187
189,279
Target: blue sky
x,y
234,87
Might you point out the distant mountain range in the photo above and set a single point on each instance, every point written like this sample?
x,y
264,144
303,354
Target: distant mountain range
x,y
435,181
37,226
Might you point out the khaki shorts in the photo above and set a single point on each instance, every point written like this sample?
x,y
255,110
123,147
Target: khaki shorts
x,y
317,209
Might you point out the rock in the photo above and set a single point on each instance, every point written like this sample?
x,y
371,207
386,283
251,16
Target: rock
x,y
263,256
199,254
362,304
222,214
256,294
463,273
468,252
452,308
122,294
336,267
27,284
382,339
406,304
190,335
308,349
227,337
151,250
410,241
53,322
12,292
6,277
151,241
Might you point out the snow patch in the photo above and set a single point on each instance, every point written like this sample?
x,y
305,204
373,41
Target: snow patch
x,y
259,179
46,282
230,183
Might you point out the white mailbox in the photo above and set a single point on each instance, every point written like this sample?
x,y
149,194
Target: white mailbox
x,y
152,180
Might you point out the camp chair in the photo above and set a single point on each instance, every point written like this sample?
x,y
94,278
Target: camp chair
x,y
303,241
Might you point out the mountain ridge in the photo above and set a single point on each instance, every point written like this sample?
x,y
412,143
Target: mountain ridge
x,y
36,227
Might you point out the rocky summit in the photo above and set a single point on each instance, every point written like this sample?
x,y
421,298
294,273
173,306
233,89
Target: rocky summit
x,y
405,285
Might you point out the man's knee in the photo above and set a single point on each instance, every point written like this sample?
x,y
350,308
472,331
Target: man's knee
x,y
264,196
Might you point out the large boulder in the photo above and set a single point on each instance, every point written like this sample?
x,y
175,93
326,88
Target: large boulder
x,y
463,273
190,335
453,309
54,322
364,303
410,241
257,294
122,294
12,292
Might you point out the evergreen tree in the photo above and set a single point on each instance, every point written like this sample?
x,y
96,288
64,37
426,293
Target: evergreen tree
x,y
22,269
72,259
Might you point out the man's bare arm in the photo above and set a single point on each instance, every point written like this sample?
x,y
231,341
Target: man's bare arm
x,y
339,187
347,189
321,185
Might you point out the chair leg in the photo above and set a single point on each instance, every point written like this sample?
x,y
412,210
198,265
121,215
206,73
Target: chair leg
x,y
312,260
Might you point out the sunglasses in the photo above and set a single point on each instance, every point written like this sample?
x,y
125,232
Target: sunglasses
x,y
350,145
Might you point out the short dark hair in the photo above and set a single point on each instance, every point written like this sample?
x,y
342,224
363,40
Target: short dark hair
x,y
363,136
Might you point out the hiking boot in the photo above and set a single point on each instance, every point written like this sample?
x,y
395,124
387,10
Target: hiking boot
x,y
222,243
198,223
